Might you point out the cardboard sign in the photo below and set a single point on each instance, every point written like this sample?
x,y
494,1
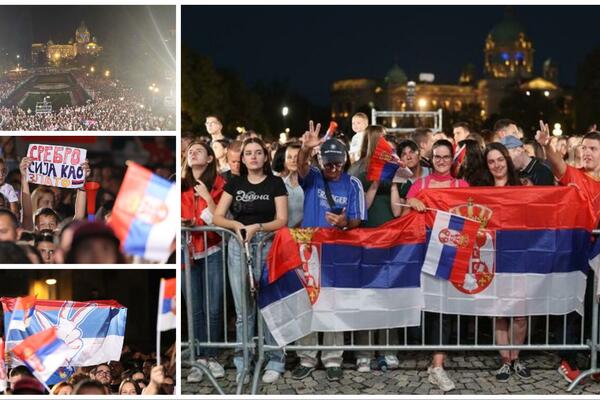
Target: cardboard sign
x,y
54,165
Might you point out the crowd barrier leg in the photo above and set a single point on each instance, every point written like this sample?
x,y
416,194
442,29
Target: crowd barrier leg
x,y
593,342
192,345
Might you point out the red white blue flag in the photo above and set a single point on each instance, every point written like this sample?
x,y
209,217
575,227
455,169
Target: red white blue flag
x,y
93,331
450,246
22,313
167,302
144,216
43,353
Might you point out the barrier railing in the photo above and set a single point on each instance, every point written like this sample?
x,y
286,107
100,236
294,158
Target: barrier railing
x,y
194,344
542,332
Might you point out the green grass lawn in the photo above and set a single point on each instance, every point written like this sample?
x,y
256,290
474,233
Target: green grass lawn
x,y
58,100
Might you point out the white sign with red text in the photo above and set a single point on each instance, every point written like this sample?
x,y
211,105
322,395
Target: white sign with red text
x,y
54,165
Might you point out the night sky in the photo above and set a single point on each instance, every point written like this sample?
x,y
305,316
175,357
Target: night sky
x,y
119,29
312,46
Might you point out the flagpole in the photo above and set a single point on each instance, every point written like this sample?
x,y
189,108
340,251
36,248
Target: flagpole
x,y
437,210
158,312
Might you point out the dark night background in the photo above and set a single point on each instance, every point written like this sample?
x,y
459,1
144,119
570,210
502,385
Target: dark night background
x,y
138,41
298,51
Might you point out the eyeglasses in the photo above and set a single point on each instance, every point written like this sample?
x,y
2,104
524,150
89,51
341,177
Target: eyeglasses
x,y
442,158
333,166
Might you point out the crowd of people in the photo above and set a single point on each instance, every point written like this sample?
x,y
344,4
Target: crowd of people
x,y
48,225
252,188
112,107
135,373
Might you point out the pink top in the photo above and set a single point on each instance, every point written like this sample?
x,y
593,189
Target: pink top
x,y
423,183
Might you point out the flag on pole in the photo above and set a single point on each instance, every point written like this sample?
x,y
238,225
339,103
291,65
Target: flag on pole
x,y
93,331
450,246
144,216
330,131
22,313
43,353
459,158
384,163
166,305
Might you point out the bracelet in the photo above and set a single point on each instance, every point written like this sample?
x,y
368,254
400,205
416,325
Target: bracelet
x,y
260,228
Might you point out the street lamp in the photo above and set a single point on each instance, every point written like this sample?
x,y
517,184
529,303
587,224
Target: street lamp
x,y
284,113
422,103
107,73
92,69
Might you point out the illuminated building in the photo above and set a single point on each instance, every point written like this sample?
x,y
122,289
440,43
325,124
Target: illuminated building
x,y
508,66
53,53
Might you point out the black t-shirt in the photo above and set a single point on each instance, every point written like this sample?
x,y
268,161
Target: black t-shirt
x,y
254,204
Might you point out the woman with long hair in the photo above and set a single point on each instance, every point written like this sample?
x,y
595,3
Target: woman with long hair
x,y
257,203
201,189
499,172
440,177
292,184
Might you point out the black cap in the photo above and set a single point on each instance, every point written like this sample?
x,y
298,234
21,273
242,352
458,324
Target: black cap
x,y
333,151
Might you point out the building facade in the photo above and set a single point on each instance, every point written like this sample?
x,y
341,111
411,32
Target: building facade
x,y
55,53
508,56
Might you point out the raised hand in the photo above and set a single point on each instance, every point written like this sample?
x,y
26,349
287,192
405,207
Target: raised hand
x,y
543,134
311,139
25,163
67,326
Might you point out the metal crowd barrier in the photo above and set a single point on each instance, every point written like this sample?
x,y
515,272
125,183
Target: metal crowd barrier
x,y
193,344
475,340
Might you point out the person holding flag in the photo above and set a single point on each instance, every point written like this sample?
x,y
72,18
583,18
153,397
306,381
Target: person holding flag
x,y
587,179
257,203
332,198
443,153
500,171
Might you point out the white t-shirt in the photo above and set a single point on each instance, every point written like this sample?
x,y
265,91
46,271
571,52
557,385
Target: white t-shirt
x,y
356,145
9,192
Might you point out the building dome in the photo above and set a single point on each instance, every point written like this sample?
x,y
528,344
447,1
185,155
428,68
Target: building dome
x,y
82,34
396,76
507,32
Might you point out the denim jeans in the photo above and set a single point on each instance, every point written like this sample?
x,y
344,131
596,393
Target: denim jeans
x,y
203,278
237,272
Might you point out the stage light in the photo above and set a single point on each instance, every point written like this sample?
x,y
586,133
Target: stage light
x,y
51,281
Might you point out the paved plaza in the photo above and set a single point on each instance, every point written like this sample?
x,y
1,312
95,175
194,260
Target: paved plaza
x,y
472,372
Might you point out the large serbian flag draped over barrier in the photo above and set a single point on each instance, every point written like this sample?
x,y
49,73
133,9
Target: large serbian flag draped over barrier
x,y
144,216
324,279
531,254
93,331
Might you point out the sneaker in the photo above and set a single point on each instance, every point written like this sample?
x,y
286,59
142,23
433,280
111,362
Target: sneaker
x,y
392,362
521,370
195,375
214,367
503,373
301,372
246,378
567,372
334,373
270,376
363,365
439,377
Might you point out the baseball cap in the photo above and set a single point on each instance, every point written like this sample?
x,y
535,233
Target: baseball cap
x,y
333,151
511,142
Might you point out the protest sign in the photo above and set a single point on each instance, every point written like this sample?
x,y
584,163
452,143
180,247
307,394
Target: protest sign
x,y
54,165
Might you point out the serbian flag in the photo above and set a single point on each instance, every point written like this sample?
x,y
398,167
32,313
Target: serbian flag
x,y
450,246
166,305
531,252
3,370
23,311
459,158
93,331
330,131
384,163
145,217
365,278
43,353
